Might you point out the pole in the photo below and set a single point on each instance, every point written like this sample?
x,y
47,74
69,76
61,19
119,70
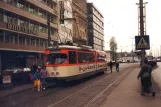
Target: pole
x,y
160,50
121,54
142,28
132,51
49,38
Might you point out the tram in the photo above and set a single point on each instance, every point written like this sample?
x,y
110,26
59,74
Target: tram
x,y
72,62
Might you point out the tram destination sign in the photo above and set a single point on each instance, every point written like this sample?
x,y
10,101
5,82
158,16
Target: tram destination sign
x,y
142,42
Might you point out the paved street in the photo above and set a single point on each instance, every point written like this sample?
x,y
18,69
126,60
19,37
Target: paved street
x,y
82,92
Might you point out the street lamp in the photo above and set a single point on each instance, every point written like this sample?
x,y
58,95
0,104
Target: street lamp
x,y
132,50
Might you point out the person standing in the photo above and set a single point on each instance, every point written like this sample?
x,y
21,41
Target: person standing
x,y
110,64
117,66
43,74
145,75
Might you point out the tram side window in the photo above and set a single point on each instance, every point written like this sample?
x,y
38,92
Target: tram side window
x,y
85,57
57,59
101,58
72,57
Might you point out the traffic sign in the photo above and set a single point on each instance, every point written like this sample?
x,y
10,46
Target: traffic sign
x,y
142,42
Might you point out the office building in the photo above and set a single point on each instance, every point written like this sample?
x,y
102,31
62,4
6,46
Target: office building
x,y
95,27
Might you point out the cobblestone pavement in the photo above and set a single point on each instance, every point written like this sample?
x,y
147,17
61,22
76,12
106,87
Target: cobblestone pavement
x,y
54,95
127,94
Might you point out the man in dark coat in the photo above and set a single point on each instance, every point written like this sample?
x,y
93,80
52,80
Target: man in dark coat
x,y
145,75
117,66
110,64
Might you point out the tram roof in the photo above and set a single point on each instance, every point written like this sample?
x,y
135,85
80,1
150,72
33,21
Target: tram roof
x,y
70,47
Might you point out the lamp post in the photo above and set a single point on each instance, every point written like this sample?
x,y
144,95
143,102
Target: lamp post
x,y
132,50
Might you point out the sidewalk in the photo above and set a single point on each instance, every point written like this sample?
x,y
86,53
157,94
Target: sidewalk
x,y
127,94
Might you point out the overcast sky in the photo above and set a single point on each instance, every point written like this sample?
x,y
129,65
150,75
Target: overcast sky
x,y
121,21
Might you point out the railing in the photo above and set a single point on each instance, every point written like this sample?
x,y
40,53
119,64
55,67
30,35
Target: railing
x,y
26,14
18,47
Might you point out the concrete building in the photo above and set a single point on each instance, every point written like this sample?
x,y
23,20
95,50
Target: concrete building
x,y
24,31
80,24
108,56
95,27
65,24
82,4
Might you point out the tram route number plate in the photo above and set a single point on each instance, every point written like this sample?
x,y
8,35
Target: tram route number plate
x,y
7,79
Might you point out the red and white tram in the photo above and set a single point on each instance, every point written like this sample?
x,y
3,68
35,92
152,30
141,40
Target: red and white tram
x,y
74,62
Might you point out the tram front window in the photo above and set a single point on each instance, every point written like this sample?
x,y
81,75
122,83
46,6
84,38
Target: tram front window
x,y
57,59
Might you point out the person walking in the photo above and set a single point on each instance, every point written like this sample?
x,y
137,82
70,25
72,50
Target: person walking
x,y
43,74
33,68
110,64
36,79
145,75
117,66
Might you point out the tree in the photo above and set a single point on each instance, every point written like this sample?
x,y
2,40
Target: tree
x,y
113,47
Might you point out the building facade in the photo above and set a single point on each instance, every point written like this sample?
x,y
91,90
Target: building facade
x,y
82,4
24,31
108,56
95,27
65,23
79,24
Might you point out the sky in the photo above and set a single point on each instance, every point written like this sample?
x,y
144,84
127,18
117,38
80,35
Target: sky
x,y
121,21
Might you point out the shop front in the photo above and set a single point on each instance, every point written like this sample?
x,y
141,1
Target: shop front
x,y
12,64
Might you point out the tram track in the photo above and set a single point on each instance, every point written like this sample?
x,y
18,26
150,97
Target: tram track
x,y
58,104
55,96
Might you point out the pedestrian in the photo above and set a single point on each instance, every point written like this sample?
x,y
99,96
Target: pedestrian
x,y
110,64
117,66
43,74
36,79
145,75
33,68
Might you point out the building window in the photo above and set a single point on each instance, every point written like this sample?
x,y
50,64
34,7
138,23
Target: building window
x,y
5,18
16,39
28,41
37,42
33,42
1,17
21,6
1,36
7,38
21,40
40,29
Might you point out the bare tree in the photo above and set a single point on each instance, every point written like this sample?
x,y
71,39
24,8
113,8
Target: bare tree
x,y
113,47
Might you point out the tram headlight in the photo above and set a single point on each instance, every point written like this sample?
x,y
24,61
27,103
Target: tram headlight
x,y
57,73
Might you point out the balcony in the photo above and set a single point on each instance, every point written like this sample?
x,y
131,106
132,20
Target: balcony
x,y
43,6
18,29
44,35
16,47
26,14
